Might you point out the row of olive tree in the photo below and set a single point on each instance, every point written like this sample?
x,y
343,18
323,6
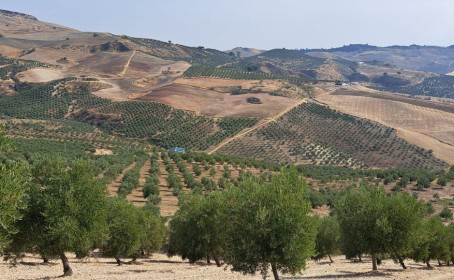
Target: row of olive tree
x,y
253,226
67,210
370,221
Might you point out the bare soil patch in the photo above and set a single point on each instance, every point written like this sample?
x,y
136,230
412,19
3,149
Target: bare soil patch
x,y
214,104
41,75
103,152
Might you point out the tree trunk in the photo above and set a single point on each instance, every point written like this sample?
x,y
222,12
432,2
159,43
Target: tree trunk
x,y
359,258
208,259
439,263
374,261
330,259
216,259
118,260
273,267
427,263
401,261
45,260
67,271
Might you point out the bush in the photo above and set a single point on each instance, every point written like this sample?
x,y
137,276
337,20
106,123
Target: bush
x,y
446,213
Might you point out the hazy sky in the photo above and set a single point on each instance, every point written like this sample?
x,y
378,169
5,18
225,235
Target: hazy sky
x,y
263,24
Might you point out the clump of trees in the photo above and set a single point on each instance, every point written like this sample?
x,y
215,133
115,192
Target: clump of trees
x,y
254,226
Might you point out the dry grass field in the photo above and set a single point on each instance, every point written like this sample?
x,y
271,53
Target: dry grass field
x,y
421,123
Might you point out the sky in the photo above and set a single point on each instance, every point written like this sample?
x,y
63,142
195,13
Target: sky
x,y
262,24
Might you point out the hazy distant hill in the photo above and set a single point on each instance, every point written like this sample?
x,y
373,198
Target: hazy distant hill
x,y
414,57
244,52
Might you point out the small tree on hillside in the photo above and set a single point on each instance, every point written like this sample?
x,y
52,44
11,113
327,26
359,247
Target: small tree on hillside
x,y
269,225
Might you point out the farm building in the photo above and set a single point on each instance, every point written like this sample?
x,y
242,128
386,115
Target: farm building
x,y
176,149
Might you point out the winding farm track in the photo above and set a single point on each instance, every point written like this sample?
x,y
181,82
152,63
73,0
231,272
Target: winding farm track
x,y
257,126
127,64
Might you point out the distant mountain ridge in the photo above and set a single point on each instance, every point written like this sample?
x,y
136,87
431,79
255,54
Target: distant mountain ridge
x,y
245,52
414,57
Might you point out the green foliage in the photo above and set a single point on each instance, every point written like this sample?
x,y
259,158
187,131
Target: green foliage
x,y
196,169
446,213
151,188
13,180
68,210
269,225
328,238
197,229
131,177
159,123
374,223
433,241
132,230
237,74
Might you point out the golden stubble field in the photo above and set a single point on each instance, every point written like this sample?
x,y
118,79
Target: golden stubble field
x,y
428,128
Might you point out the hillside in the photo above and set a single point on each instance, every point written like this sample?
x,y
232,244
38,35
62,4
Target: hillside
x,y
176,95
244,52
422,58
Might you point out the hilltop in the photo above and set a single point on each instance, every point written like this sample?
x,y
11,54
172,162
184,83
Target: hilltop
x,y
244,52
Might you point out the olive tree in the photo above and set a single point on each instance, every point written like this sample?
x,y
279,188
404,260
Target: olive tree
x,y
372,222
197,229
361,219
132,231
403,217
328,238
69,210
268,225
14,177
13,180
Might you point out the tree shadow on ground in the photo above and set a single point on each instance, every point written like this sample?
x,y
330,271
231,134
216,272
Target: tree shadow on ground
x,y
345,275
